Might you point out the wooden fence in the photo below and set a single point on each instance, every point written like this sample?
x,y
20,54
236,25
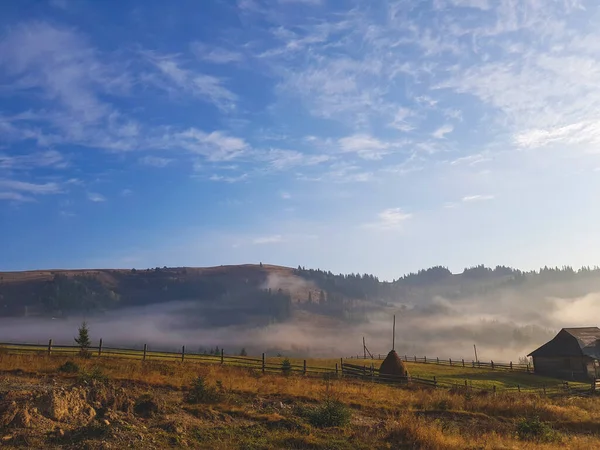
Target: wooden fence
x,y
100,351
340,370
516,367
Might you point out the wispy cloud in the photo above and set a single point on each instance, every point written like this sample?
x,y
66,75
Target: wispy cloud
x,y
477,198
30,188
155,161
95,197
15,196
213,54
285,195
442,131
206,87
49,158
389,219
364,145
274,239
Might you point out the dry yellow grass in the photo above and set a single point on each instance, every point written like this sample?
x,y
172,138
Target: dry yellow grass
x,y
387,415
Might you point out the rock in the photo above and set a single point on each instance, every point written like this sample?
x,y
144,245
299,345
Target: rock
x,y
7,438
105,422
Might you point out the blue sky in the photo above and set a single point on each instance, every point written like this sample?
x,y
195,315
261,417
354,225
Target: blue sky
x,y
356,136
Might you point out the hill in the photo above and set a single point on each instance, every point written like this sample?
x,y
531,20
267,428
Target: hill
x,y
504,311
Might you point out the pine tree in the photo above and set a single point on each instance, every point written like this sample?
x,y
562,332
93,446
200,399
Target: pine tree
x,y
84,339
243,352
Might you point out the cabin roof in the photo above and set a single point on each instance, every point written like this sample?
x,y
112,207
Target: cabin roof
x,y
584,341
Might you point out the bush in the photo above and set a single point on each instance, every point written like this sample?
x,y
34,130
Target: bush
x,y
95,375
286,366
329,414
200,392
69,367
533,429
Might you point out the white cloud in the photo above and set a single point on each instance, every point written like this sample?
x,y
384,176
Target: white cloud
x,y
274,239
365,146
206,87
126,192
477,198
215,146
213,54
155,161
30,188
228,179
95,197
442,131
49,158
390,219
15,196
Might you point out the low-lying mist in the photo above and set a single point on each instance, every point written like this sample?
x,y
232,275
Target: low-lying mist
x,y
504,326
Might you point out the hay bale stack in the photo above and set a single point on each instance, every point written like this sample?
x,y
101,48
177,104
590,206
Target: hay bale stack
x,y
393,365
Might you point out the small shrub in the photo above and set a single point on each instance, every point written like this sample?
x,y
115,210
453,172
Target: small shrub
x,y
69,367
533,429
286,366
200,392
329,414
95,375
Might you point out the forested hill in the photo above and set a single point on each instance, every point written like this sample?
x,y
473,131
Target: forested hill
x,y
266,294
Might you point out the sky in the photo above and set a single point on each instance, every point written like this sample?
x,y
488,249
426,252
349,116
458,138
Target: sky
x,y
354,136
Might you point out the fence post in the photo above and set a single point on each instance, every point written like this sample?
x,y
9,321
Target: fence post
x,y
342,366
145,349
415,359
49,347
494,387
466,386
336,369
463,361
304,367
425,359
379,356
263,363
492,365
437,360
511,365
527,367
479,364
473,364
100,347
450,359
182,353
405,358
434,381
519,387
222,356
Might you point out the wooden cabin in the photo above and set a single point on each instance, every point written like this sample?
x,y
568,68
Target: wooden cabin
x,y
573,354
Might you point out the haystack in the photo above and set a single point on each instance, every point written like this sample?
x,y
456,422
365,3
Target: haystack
x,y
393,365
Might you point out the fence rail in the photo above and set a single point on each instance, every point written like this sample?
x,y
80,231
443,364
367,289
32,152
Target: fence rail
x,y
515,367
342,370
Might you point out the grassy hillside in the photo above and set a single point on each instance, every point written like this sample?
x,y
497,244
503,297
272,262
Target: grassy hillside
x,y
107,403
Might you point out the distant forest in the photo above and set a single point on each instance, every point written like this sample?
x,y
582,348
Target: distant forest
x,y
241,294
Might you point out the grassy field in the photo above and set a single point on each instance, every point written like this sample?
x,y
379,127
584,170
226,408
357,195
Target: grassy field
x,y
446,376
251,410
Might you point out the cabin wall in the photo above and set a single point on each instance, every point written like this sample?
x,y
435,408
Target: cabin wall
x,y
570,368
